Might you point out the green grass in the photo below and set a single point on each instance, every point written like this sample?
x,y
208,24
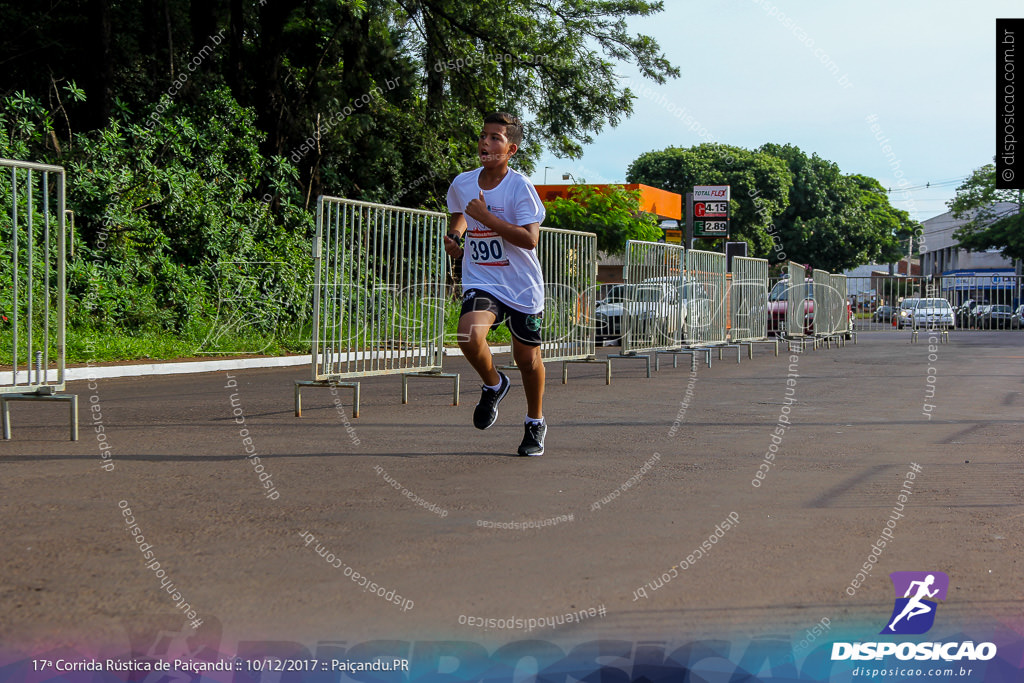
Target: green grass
x,y
99,346
96,345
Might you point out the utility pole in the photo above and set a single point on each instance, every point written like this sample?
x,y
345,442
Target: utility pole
x,y
688,237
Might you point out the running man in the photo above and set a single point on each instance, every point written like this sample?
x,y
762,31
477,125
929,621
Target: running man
x,y
498,212
915,607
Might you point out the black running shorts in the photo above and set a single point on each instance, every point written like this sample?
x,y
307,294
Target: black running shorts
x,y
525,327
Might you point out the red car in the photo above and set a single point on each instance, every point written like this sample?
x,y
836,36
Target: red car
x,y
778,304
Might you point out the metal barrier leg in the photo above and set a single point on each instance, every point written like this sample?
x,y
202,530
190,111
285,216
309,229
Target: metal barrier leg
x,y
943,335
750,345
74,417
802,342
739,350
6,418
646,359
675,353
606,362
70,399
706,350
405,384
326,385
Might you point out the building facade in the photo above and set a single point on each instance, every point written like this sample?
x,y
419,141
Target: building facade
x,y
941,254
984,276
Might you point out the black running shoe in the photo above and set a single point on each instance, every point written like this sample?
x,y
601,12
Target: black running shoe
x,y
533,440
487,409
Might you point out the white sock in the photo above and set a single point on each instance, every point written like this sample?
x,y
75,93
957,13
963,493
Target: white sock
x,y
533,420
495,387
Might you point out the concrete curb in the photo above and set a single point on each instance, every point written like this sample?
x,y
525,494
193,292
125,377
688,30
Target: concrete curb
x,y
193,367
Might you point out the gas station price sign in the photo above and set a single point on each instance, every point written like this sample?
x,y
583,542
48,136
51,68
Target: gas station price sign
x,y
711,211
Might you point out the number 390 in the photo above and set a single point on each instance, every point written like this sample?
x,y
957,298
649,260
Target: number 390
x,y
485,250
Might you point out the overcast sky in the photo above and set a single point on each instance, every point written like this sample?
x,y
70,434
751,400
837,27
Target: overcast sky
x,y
756,71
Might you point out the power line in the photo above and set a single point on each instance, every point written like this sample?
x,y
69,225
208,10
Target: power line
x,y
928,185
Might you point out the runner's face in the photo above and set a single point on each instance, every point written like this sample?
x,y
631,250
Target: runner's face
x,y
493,147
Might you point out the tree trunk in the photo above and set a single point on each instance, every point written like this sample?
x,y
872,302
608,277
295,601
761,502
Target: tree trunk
x,y
202,23
100,77
235,69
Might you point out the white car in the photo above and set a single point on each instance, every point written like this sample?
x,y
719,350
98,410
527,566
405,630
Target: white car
x,y
696,301
905,313
646,310
932,313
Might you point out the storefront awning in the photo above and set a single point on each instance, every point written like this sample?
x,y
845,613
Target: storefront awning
x,y
662,203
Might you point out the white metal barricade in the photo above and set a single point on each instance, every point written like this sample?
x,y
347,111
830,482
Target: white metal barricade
x,y
748,299
839,316
881,300
33,231
568,261
378,295
748,303
796,301
707,310
823,324
652,310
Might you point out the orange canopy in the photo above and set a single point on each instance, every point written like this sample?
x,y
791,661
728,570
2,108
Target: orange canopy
x,y
662,203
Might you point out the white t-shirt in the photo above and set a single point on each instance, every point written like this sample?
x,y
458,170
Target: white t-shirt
x,y
510,273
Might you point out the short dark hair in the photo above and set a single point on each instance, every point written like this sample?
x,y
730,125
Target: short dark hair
x,y
513,126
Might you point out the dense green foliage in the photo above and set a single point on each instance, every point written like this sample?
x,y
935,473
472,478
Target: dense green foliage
x,y
168,236
836,221
369,99
610,212
197,136
759,184
995,217
787,205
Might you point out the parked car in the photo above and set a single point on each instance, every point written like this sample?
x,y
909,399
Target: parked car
x,y
966,312
976,315
932,313
904,317
962,316
608,312
778,304
696,302
1017,321
883,314
651,307
997,316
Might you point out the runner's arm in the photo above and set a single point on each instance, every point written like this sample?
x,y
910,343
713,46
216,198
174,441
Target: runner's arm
x,y
457,227
523,236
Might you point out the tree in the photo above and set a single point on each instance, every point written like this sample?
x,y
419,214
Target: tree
x,y
610,212
995,219
885,227
759,183
833,221
369,99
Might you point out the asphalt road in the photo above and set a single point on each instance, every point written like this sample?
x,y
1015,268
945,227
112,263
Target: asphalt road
x,y
416,499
